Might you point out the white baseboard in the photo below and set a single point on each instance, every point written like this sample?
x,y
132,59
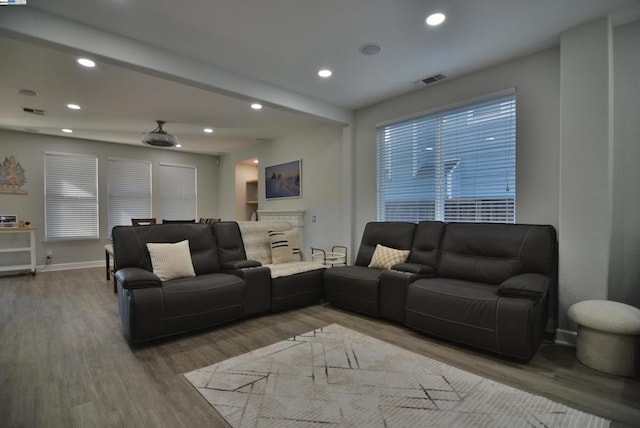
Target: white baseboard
x,y
69,266
566,337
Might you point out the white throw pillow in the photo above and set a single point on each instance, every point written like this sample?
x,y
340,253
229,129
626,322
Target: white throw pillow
x,y
385,257
285,246
171,261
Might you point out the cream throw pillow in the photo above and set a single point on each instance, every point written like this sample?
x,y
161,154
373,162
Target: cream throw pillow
x,y
385,257
171,261
285,246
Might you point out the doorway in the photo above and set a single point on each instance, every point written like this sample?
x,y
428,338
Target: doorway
x,y
247,189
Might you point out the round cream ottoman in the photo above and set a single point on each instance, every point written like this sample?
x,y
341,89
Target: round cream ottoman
x,y
608,336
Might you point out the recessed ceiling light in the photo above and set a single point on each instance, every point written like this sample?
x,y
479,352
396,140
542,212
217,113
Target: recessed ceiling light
x,y
435,19
370,49
28,92
325,73
256,106
67,130
178,145
256,161
74,106
208,130
86,62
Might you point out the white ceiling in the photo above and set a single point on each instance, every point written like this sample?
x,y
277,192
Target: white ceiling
x,y
200,63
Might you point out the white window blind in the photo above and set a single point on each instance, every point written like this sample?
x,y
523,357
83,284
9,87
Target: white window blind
x,y
178,192
71,196
454,165
129,191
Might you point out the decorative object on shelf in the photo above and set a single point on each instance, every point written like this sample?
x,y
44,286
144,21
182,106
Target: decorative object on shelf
x,y
330,258
283,180
159,137
8,220
12,177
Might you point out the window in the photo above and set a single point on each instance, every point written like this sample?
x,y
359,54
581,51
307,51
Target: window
x,y
71,196
178,186
454,165
129,191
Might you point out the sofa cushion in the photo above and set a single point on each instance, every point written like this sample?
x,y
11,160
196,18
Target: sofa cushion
x,y
473,313
130,245
356,288
390,234
292,268
284,246
171,261
204,293
385,257
491,253
426,243
257,244
456,301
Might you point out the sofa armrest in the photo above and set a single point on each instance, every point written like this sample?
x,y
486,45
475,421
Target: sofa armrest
x,y
240,264
531,286
133,277
393,292
258,280
414,268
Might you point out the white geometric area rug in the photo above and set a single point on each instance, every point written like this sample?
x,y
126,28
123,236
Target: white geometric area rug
x,y
334,376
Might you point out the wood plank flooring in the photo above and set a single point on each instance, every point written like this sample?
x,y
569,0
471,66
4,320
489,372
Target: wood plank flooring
x,y
64,361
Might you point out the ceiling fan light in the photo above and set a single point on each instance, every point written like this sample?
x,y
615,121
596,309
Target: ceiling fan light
x,y
159,137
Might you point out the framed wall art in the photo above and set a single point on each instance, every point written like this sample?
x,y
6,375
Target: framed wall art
x,y
283,180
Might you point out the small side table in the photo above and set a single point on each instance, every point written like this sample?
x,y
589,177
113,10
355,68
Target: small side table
x,y
111,270
336,257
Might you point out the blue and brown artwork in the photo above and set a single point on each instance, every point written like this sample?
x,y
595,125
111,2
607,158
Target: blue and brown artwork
x,y
283,180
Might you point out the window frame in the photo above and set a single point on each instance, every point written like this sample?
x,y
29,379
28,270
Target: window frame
x,y
110,200
422,188
53,231
163,192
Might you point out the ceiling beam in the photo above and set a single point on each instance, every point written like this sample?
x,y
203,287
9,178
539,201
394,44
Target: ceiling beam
x,y
129,53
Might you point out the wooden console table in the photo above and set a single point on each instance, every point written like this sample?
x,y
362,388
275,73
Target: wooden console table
x,y
31,249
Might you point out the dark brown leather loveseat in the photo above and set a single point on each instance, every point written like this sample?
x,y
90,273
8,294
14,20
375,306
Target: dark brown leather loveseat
x,y
224,288
486,285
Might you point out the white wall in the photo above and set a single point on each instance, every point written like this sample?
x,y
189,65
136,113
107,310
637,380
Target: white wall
x,y
321,151
29,151
585,145
537,83
624,283
578,185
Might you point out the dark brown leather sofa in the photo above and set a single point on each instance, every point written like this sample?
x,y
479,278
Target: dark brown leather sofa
x,y
485,285
223,289
226,287
357,287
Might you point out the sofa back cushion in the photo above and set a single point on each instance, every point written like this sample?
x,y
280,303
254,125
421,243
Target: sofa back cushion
x,y
426,243
490,253
395,235
130,245
229,238
255,235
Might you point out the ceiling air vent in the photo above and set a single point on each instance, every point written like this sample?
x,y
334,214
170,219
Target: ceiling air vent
x,y
37,111
429,80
